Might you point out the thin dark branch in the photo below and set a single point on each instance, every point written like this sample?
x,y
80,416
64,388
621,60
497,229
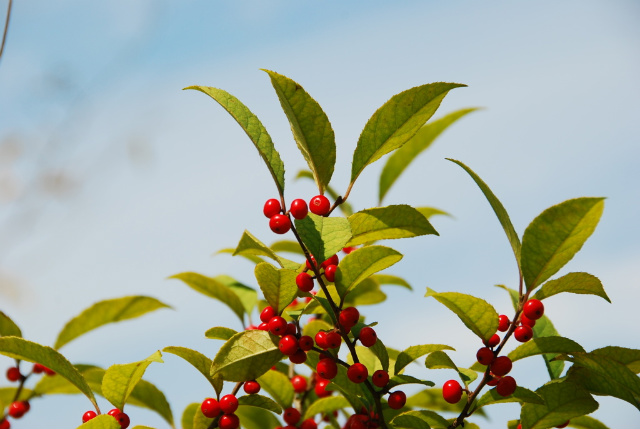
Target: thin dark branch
x,y
6,28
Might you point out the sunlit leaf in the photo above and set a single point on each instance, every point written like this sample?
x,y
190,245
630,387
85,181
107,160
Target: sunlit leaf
x,y
388,279
287,246
628,357
196,359
563,401
248,295
220,333
277,285
323,236
246,356
325,406
278,386
250,245
120,379
103,421
537,346
581,283
260,401
544,328
362,263
188,414
367,292
7,327
414,352
256,418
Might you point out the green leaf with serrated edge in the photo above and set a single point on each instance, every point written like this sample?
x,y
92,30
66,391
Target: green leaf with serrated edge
x,y
429,212
587,422
602,375
380,351
256,418
287,246
520,395
200,421
103,421
345,207
196,359
432,419
246,356
581,283
278,386
628,357
388,279
325,406
250,245
260,401
541,345
477,314
323,236
362,263
500,212
367,292
120,379
544,328
7,327
248,295
105,312
391,222
252,258
277,285
432,399
414,352
400,379
213,289
313,326
310,127
555,236
254,129
400,160
19,348
562,401
397,121
220,333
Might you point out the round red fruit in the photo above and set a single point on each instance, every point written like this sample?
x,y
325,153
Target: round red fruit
x,y
321,388
357,373
397,400
299,209
291,416
506,386
13,374
278,326
493,341
298,357
280,224
305,343
292,329
299,383
501,366
229,404
229,421
4,424
533,309
271,207
310,266
380,378
251,387
38,368
267,314
331,261
319,205
263,326
330,272
304,282
523,333
526,321
503,323
18,409
368,336
88,416
321,340
114,412
327,369
123,419
309,424
288,345
349,317
493,381
49,372
485,356
210,408
334,340
452,391
564,425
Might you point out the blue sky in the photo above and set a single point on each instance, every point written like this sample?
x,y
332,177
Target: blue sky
x,y
151,180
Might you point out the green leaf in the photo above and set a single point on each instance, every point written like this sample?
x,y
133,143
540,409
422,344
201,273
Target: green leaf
x,y
537,346
287,246
441,360
381,353
188,414
277,285
400,379
256,418
556,235
220,333
196,359
60,385
414,352
397,121
500,212
200,421
7,395
252,258
477,314
149,396
520,395
362,263
312,327
581,283
323,236
513,294
367,292
400,160
325,406
250,245
254,129
248,295
120,379
628,357
344,206
382,223
544,328
428,212
105,312
278,386
260,401
213,289
246,356
103,421
19,348
407,419
310,127
388,279
7,327
563,401
587,422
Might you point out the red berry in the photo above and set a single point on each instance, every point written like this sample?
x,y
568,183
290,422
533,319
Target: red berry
x,y
452,392
503,323
271,207
280,224
278,326
298,357
229,421
331,261
13,374
229,404
397,400
263,326
288,345
210,408
533,309
305,343
523,333
334,340
319,205
292,329
251,387
321,340
49,372
357,373
564,425
114,412
330,272
267,314
299,209
493,341
493,381
291,416
349,317
506,386
38,368
519,426
18,409
4,424
348,250
501,366
485,356
380,378
327,368
299,383
310,266
88,416
321,388
309,424
526,321
123,419
304,282
368,336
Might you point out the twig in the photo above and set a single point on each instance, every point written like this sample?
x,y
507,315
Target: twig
x,y
6,28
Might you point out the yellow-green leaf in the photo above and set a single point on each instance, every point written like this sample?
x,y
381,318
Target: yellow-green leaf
x,y
428,212
562,402
260,401
196,359
256,418
220,333
287,246
388,279
120,379
414,352
587,422
325,406
520,395
361,264
544,328
188,414
278,386
431,418
103,421
246,356
277,285
628,357
581,283
542,345
323,236
8,328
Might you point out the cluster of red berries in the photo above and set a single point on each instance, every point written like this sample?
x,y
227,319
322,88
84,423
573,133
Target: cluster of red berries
x,y
17,409
227,405
117,414
304,280
280,223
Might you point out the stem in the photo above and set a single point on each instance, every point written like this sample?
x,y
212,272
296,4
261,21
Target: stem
x,y
341,199
6,28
